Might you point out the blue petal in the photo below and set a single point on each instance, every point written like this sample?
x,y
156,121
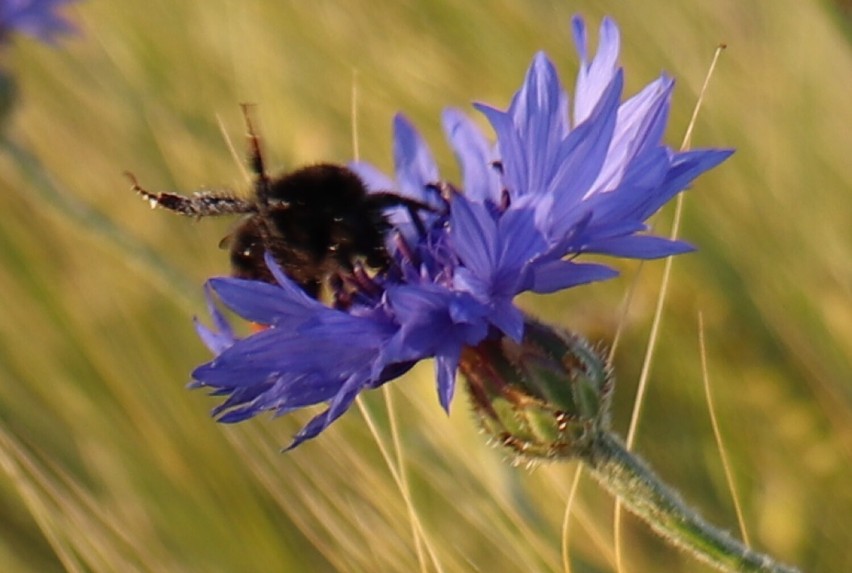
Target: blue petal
x,y
688,165
216,341
36,18
433,320
342,401
262,302
445,369
593,78
685,167
584,154
643,117
465,280
557,275
305,391
639,129
512,148
641,187
508,318
473,234
521,242
640,247
221,336
475,156
520,238
415,166
540,114
249,361
374,179
578,33
237,415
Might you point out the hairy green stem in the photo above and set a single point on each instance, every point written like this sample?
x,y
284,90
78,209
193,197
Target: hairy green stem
x,y
643,493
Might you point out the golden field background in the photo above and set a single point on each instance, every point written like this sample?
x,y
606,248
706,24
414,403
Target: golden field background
x,y
110,464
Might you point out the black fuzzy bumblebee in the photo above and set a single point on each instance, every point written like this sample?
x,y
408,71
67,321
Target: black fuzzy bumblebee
x,y
317,222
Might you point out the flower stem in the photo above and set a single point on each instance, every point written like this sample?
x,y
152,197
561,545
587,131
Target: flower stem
x,y
642,492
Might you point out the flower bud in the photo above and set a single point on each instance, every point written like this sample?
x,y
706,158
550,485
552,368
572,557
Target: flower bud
x,y
545,397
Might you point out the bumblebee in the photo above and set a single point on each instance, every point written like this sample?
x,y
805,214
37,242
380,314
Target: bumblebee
x,y
318,222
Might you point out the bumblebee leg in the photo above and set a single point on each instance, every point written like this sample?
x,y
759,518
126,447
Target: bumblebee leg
x,y
262,187
385,199
255,157
200,204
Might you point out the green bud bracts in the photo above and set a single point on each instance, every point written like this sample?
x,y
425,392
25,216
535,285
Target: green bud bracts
x,y
547,397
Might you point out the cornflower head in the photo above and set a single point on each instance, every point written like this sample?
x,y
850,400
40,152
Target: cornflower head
x,y
36,18
563,179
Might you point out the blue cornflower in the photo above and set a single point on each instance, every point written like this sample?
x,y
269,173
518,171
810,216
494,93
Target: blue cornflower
x,y
561,181
36,18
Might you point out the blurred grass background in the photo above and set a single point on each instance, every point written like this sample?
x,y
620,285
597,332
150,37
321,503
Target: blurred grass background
x,y
109,464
